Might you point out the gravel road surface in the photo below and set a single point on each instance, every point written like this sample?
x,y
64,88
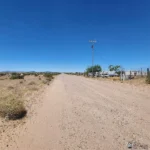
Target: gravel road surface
x,y
79,113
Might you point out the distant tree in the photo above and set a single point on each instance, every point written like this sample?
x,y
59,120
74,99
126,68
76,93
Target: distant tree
x,y
117,68
96,68
114,68
111,68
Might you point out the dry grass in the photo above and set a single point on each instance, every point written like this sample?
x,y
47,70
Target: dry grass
x,y
17,96
12,108
137,81
31,83
148,79
21,82
34,89
10,87
45,82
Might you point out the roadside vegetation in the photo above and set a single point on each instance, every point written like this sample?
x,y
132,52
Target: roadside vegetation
x,y
115,73
18,92
95,68
148,77
16,76
12,107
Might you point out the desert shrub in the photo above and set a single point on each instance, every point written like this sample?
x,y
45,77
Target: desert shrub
x,y
10,87
49,79
148,76
16,76
2,79
21,82
114,79
32,83
2,74
148,79
12,108
46,82
34,89
48,76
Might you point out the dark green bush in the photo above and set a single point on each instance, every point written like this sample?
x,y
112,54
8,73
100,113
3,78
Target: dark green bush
x,y
16,76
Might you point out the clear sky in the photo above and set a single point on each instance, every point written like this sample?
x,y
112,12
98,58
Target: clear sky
x,y
53,35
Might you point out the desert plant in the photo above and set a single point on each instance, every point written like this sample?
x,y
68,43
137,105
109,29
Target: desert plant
x,y
148,76
16,76
2,74
36,74
10,87
12,108
46,82
31,83
34,89
21,82
48,76
49,79
2,79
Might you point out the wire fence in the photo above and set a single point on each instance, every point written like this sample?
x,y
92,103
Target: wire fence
x,y
134,73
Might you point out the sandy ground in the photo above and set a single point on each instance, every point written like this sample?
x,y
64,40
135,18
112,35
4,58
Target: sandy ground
x,y
78,113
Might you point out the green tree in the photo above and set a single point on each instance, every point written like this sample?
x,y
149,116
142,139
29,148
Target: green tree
x,y
117,68
96,68
111,68
114,68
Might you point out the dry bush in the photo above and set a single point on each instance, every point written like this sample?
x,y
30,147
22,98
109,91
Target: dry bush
x,y
32,83
2,79
10,87
148,79
16,76
34,89
21,82
115,79
12,108
46,82
49,79
48,76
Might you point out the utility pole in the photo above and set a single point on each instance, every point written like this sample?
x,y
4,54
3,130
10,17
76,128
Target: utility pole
x,y
92,42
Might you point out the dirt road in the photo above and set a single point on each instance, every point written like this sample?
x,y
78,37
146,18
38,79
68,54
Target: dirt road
x,y
85,114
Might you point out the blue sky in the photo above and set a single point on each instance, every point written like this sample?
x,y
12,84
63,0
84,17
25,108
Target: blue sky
x,y
45,35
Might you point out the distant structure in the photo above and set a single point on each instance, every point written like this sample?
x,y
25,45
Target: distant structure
x,y
92,42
